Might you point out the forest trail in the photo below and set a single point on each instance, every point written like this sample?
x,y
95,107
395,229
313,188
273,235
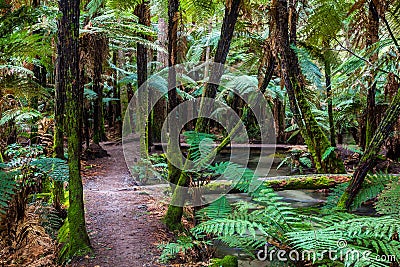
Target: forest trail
x,y
123,220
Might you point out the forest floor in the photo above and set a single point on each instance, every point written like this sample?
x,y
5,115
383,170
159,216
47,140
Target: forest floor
x,y
123,220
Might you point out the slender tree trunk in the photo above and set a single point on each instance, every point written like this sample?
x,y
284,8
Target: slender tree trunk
x,y
68,80
59,108
314,137
174,213
224,43
368,159
393,144
117,109
328,85
98,113
142,10
267,67
372,38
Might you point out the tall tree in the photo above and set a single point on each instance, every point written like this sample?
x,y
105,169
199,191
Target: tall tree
x,y
283,40
68,82
174,213
368,160
372,38
232,8
142,10
100,50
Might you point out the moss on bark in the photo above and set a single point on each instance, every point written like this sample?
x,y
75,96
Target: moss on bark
x,y
68,60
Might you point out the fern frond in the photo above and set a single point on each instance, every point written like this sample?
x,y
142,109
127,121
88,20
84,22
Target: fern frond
x,y
389,199
7,189
220,208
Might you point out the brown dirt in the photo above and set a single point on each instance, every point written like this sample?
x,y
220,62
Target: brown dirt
x,y
123,220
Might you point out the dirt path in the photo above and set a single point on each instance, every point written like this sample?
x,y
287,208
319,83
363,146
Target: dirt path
x,y
123,220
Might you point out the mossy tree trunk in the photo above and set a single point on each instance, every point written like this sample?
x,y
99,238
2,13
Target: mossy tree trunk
x,y
315,139
68,77
174,213
368,159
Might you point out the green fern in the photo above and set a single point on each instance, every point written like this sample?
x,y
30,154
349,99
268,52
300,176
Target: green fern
x,y
354,234
371,188
171,250
55,168
389,199
7,189
220,208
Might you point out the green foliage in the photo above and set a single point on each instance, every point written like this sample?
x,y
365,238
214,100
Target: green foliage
x,y
310,70
296,160
171,250
371,188
220,208
248,227
7,189
328,152
354,234
389,199
55,168
227,261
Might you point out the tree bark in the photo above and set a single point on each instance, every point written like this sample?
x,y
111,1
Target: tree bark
x,y
98,114
314,137
224,43
328,85
142,10
372,38
174,213
68,80
117,112
393,144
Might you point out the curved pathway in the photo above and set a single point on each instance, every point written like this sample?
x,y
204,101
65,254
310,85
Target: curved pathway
x,y
123,220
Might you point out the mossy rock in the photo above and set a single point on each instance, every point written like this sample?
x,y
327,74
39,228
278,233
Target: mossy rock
x,y
227,261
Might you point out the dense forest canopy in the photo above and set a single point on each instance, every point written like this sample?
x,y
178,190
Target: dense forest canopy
x,y
213,100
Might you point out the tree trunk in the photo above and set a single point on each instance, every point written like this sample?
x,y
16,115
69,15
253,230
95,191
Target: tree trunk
x,y
174,213
313,135
224,43
117,113
393,144
372,38
98,114
68,80
328,85
59,108
368,159
142,10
